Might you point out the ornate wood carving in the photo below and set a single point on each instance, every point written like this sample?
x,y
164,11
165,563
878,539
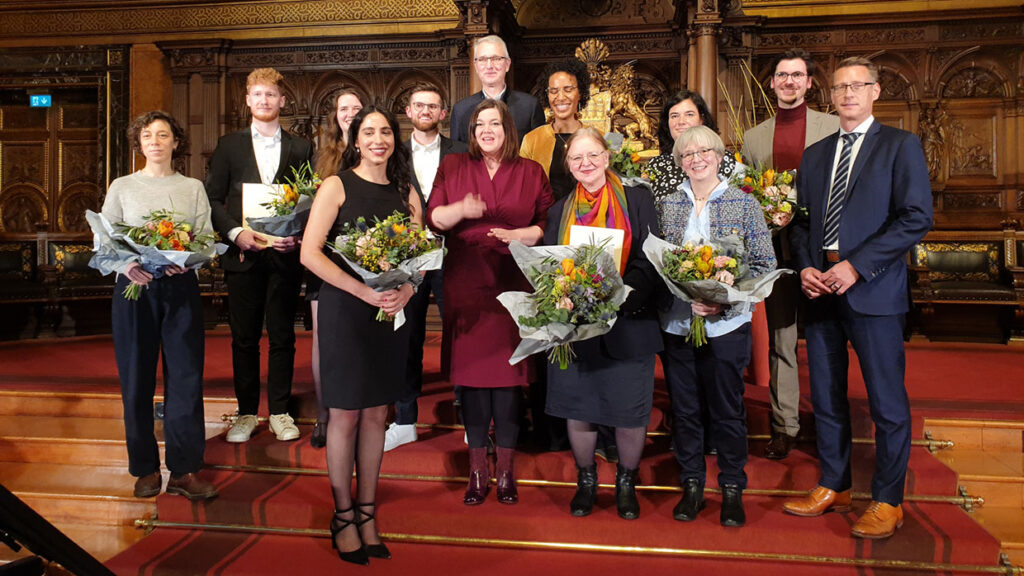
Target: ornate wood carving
x,y
972,146
931,127
900,35
972,201
22,207
972,83
207,17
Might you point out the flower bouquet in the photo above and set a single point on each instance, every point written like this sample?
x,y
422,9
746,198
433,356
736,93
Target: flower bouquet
x,y
289,203
711,272
161,241
773,190
388,254
577,294
626,161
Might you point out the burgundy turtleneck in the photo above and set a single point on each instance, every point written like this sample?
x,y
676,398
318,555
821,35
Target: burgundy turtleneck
x,y
790,133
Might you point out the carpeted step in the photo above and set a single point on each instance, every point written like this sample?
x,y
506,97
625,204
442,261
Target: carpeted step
x,y
441,452
198,553
931,532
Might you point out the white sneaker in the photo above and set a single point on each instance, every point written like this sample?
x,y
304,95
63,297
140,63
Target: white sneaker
x,y
284,427
242,429
398,434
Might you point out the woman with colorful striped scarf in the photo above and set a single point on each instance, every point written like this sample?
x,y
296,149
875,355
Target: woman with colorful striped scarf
x,y
611,381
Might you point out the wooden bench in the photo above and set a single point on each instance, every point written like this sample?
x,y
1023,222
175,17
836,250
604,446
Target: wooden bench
x,y
969,284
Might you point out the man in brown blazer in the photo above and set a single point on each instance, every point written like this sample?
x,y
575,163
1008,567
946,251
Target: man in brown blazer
x,y
779,143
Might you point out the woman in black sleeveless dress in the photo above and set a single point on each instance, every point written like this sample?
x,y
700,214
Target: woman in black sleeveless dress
x,y
363,364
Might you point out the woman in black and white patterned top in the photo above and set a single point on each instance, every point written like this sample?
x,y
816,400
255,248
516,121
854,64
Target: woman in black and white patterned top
x,y
681,111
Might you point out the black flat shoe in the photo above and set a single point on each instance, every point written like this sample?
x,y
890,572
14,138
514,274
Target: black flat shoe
x,y
357,556
319,437
372,550
691,503
732,506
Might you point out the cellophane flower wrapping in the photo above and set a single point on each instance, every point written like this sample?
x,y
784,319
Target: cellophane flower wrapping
x,y
389,254
595,317
291,206
114,249
745,290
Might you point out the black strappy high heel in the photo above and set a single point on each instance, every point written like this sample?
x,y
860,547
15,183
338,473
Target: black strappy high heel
x,y
357,556
372,550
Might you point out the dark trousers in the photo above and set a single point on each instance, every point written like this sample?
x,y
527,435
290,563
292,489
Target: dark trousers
x,y
407,410
271,289
878,341
714,373
168,312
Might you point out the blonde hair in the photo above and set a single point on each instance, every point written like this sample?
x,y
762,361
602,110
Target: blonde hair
x,y
859,61
264,76
701,136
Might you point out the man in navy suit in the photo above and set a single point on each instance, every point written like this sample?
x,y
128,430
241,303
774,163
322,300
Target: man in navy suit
x,y
263,278
869,201
427,148
491,62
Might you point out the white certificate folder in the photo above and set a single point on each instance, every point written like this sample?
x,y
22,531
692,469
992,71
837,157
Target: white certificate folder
x,y
614,237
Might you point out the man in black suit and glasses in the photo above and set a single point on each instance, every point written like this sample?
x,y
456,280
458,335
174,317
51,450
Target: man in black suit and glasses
x,y
491,63
263,277
427,148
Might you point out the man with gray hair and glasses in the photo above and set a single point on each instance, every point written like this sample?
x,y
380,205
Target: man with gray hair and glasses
x,y
491,63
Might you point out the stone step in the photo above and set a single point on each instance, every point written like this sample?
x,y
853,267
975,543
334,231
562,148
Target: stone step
x,y
72,493
102,541
59,440
90,404
1006,523
969,434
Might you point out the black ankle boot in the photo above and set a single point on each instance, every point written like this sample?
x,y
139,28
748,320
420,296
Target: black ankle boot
x,y
691,503
625,493
586,491
732,506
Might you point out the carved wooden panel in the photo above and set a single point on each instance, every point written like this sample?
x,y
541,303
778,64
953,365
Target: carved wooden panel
x,y
22,206
539,14
24,118
24,163
972,145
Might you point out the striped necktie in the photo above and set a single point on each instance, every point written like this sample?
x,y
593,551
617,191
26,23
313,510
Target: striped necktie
x,y
837,197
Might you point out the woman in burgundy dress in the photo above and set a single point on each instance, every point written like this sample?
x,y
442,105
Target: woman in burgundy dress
x,y
484,200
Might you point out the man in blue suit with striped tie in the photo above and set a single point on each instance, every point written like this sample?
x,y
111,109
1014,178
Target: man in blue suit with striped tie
x,y
868,199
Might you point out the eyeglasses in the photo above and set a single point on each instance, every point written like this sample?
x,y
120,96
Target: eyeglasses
x,y
796,76
567,90
420,106
855,87
495,125
494,60
691,156
576,160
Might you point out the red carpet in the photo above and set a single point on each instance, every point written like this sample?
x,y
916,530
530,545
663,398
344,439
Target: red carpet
x,y
943,379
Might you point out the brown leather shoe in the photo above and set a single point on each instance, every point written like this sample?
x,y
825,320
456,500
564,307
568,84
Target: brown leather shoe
x,y
880,520
779,446
192,487
148,486
819,501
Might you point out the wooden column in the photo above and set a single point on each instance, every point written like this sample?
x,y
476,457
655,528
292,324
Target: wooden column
x,y
474,25
706,83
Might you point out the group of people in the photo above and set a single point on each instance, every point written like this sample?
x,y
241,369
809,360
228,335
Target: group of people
x,y
507,175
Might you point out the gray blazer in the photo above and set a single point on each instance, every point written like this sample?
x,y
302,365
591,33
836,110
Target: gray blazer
x,y
757,142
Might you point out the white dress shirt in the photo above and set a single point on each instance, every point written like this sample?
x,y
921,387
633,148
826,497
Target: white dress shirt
x,y
425,160
862,129
268,154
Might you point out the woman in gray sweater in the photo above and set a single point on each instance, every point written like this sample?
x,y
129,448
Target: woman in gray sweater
x,y
168,314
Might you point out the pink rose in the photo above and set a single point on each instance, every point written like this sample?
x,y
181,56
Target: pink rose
x,y
781,218
722,261
725,277
564,303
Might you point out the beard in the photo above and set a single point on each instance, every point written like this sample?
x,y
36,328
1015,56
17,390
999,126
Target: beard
x,y
424,125
266,115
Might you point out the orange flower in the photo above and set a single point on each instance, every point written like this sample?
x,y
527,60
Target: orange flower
x,y
289,194
165,228
398,228
175,245
568,265
634,157
706,252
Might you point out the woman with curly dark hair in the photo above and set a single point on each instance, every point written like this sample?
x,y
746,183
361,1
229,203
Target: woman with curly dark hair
x,y
684,109
364,372
567,91
166,320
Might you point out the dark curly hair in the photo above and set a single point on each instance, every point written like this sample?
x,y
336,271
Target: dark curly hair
x,y
399,164
135,130
665,140
572,67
